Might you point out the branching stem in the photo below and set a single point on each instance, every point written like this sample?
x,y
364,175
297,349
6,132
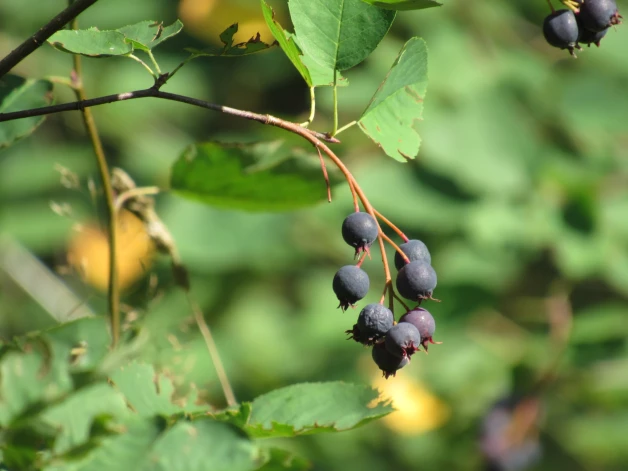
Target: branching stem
x,y
113,294
391,225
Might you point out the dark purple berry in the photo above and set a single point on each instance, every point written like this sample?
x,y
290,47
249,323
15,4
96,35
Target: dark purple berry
x,y
424,322
560,29
416,281
350,284
373,323
359,230
414,250
387,362
403,340
589,37
597,15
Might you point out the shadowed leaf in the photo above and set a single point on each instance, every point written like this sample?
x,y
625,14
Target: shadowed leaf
x,y
16,94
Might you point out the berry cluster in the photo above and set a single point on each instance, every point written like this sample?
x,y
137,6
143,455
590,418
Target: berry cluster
x,y
392,343
585,22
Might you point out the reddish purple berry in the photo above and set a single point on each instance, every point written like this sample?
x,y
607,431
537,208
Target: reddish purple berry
x,y
424,322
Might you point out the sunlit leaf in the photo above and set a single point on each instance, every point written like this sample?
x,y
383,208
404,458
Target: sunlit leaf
x,y
231,49
16,94
146,35
91,42
339,35
390,116
308,408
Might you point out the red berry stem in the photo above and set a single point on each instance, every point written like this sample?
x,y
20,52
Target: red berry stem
x,y
325,175
391,225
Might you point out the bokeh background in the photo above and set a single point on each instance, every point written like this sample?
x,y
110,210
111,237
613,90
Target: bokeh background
x,y
520,191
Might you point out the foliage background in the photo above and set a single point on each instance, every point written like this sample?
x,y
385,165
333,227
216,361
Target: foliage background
x,y
520,191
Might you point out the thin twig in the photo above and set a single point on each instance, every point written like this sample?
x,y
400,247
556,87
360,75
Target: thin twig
x,y
144,64
396,247
391,225
354,195
213,352
345,127
113,293
36,40
153,92
400,300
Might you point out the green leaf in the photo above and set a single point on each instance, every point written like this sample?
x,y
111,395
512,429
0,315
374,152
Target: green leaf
x,y
254,177
74,417
321,75
253,45
404,4
16,94
202,445
148,393
147,35
282,460
287,44
398,102
339,34
91,42
30,380
308,408
146,445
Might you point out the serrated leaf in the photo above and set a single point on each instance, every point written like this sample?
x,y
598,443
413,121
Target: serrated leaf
x,y
147,35
390,116
339,35
282,460
29,380
148,393
253,45
308,408
16,94
255,177
73,418
91,42
404,4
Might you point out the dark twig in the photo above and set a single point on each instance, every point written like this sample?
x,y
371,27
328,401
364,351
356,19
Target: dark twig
x,y
37,39
152,92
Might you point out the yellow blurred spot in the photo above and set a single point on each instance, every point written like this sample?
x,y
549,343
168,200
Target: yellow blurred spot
x,y
417,409
88,252
208,18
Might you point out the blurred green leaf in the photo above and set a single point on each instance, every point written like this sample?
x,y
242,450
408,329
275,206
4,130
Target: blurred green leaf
x,y
254,177
73,418
309,408
91,42
404,4
253,45
390,116
144,445
148,34
202,445
30,380
16,94
339,35
282,460
148,393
